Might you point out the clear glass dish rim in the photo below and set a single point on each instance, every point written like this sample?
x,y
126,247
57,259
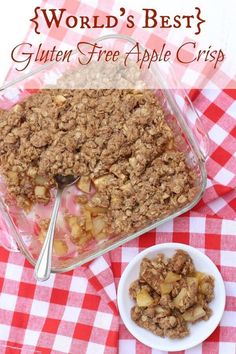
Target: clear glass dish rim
x,y
191,139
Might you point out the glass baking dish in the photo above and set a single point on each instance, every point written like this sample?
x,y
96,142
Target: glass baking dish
x,y
19,231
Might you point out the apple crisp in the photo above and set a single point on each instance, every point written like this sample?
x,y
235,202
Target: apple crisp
x,y
117,141
169,294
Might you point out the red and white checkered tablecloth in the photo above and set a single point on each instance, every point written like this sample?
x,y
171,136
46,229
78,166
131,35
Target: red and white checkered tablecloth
x,y
76,312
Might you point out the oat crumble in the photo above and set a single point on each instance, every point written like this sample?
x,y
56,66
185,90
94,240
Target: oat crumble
x,y
118,141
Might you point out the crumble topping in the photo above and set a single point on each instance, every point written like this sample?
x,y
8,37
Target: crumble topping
x,y
118,141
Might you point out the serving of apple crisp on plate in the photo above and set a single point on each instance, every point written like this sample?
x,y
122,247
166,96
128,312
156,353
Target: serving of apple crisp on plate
x,y
171,296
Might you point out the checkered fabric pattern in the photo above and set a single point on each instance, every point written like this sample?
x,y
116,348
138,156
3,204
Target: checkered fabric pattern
x,y
76,312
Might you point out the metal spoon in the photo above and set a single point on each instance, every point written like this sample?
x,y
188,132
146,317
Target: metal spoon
x,y
43,266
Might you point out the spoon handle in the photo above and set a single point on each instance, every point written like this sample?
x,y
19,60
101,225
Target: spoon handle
x,y
43,266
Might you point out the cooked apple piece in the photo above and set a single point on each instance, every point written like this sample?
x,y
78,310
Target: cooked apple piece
x,y
88,221
71,220
205,287
179,298
76,231
60,247
99,225
84,184
84,239
41,181
13,177
170,144
59,99
81,199
159,309
44,223
198,313
26,204
192,280
200,276
188,315
133,162
81,241
32,172
95,210
143,298
17,108
101,236
40,191
194,314
166,288
172,277
74,226
103,181
127,187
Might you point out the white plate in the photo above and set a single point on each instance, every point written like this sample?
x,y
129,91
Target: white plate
x,y
198,331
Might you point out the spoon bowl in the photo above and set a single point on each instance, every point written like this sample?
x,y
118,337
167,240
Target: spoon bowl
x,y
65,181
